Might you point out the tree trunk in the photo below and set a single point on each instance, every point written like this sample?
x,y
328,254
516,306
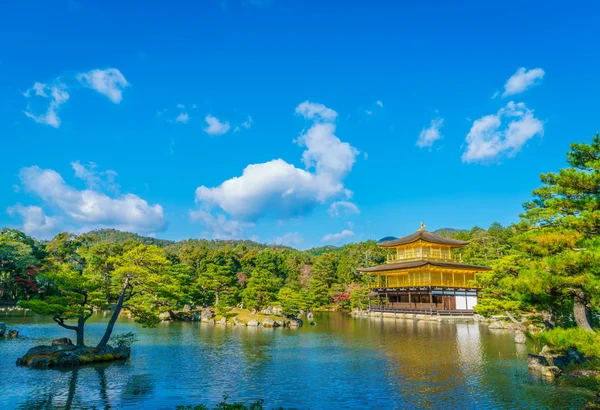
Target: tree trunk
x,y
80,332
217,298
115,315
581,311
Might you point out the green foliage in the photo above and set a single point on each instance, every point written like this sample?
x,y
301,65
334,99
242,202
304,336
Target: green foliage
x,y
124,339
293,301
572,338
559,231
116,237
142,276
261,289
20,260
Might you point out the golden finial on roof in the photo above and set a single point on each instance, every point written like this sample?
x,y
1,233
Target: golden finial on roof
x,y
422,228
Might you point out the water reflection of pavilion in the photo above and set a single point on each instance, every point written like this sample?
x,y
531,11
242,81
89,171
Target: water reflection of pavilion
x,y
425,275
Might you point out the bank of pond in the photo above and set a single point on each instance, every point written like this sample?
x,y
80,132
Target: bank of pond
x,y
343,361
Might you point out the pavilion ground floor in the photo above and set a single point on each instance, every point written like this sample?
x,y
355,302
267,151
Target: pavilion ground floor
x,y
424,300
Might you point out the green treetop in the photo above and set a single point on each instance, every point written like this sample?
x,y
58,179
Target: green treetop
x,y
559,231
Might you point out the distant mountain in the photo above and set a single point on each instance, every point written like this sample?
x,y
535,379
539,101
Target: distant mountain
x,y
115,236
387,238
448,231
221,243
322,249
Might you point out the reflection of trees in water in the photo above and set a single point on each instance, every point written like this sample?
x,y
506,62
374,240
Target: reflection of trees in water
x,y
82,386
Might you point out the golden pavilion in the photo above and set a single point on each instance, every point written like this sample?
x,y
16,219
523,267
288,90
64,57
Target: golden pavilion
x,y
425,274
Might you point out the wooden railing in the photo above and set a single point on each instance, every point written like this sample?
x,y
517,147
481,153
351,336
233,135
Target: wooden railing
x,y
423,308
390,282
417,255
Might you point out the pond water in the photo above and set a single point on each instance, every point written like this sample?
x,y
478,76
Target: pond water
x,y
342,363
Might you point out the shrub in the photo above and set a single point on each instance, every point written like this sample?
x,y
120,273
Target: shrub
x,y
582,340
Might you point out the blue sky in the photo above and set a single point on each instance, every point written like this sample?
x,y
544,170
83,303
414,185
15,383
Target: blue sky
x,y
290,121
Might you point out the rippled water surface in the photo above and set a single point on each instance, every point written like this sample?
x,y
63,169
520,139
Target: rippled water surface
x,y
342,363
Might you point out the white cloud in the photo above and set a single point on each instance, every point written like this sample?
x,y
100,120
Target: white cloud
x,y
292,239
429,136
337,237
314,111
246,124
216,127
522,80
368,112
91,208
379,104
273,188
58,95
109,82
182,118
279,189
95,179
503,133
219,227
336,208
35,222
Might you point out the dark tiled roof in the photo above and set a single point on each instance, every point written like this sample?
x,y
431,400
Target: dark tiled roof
x,y
422,262
427,237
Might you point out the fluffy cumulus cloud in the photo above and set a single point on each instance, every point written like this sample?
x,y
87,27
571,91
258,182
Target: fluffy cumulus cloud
x,y
57,95
315,111
292,239
109,82
503,133
215,126
281,190
337,237
522,80
430,135
35,222
343,207
85,209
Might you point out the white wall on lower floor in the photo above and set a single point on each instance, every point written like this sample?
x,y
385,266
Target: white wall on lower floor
x,y
465,302
461,302
471,302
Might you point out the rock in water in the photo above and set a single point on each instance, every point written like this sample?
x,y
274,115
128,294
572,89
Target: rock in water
x,y
268,322
520,337
63,355
62,341
295,322
313,324
309,316
223,321
252,323
2,329
496,325
576,357
12,334
550,373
